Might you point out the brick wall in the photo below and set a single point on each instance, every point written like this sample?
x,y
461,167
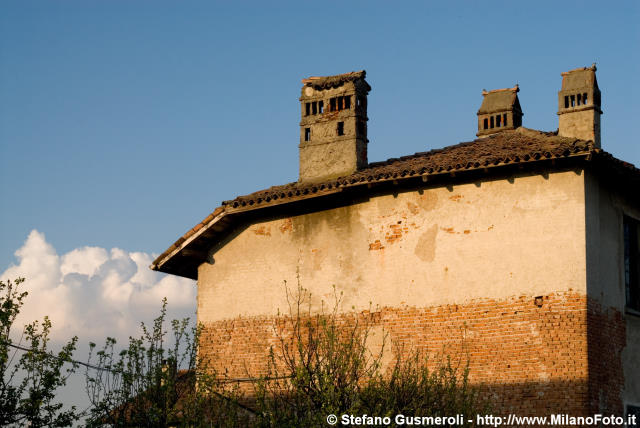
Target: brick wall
x,y
606,335
531,354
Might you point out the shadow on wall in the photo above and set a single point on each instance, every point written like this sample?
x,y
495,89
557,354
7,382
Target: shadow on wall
x,y
533,356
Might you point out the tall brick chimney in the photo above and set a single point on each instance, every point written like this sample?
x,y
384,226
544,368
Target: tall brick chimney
x,y
333,127
579,105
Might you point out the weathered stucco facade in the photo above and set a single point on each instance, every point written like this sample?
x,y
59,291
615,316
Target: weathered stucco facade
x,y
506,250
425,247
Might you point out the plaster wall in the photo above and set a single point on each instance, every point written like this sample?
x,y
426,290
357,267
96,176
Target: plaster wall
x,y
447,245
582,124
326,160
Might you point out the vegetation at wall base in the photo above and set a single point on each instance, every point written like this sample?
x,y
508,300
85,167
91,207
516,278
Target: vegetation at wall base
x,y
157,382
322,364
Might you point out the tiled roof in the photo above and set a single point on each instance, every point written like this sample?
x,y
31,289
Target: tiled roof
x,y
520,146
512,146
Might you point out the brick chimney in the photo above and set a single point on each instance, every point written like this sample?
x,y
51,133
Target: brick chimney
x,y
500,110
333,127
579,105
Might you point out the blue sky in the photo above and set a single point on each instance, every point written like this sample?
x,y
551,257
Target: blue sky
x,y
124,123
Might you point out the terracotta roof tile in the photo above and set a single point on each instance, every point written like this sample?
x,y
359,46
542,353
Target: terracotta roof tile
x,y
520,146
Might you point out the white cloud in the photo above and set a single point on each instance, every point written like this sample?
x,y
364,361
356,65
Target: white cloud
x,y
93,293
85,260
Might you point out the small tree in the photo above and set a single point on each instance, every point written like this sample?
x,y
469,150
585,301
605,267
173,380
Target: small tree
x,y
156,382
29,382
324,366
320,367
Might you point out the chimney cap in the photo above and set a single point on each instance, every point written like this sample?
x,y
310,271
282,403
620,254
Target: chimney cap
x,y
579,79
325,82
514,89
593,68
500,100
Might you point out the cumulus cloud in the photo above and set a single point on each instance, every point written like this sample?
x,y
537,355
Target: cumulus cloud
x,y
93,292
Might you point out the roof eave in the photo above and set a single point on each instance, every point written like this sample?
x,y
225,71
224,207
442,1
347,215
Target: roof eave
x,y
160,263
167,261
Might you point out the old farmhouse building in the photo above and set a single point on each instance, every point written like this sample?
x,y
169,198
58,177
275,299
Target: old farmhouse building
x,y
519,248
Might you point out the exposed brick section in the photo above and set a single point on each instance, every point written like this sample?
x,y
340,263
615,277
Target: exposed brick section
x,y
395,232
376,245
530,359
287,225
606,335
262,230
